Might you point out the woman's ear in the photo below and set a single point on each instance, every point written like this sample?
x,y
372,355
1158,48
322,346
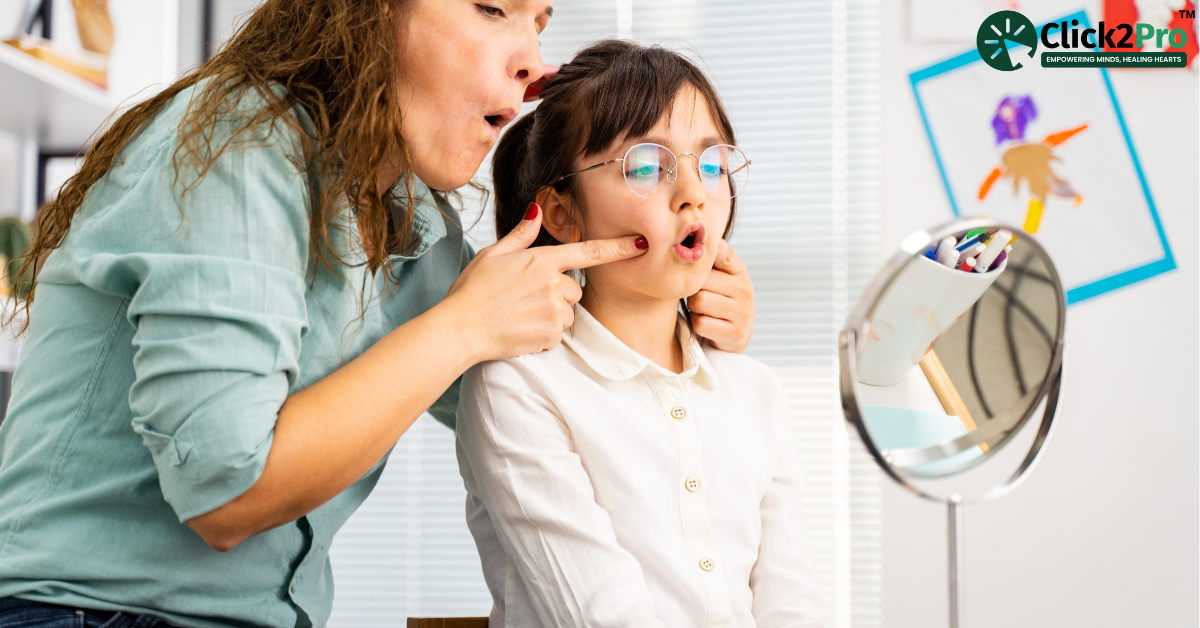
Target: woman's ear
x,y
558,219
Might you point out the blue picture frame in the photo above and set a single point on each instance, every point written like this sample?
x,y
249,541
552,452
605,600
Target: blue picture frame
x,y
1099,286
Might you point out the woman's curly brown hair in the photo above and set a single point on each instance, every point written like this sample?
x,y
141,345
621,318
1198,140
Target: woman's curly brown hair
x,y
337,60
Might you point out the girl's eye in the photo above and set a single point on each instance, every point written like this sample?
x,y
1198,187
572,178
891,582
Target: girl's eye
x,y
490,11
711,170
645,171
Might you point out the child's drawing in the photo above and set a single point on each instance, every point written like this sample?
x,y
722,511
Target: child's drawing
x,y
1057,138
1028,161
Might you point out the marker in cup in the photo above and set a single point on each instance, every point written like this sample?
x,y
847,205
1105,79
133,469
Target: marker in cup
x,y
944,249
1003,255
994,247
968,242
976,249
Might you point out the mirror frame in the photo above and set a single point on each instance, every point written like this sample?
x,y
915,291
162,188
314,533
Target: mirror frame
x,y
852,340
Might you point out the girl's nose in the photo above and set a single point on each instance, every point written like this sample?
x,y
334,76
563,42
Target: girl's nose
x,y
688,188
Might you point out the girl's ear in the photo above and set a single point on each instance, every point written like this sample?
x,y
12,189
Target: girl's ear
x,y
558,219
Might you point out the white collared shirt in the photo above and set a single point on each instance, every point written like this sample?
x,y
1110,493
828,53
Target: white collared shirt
x,y
605,490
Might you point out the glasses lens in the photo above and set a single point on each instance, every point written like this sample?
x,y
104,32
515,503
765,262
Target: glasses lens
x,y
724,170
649,169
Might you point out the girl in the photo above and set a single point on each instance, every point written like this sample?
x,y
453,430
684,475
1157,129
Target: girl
x,y
633,476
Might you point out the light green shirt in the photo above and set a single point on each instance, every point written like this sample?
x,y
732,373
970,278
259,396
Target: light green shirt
x,y
161,345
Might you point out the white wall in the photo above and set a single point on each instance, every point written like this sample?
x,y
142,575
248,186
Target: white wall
x,y
1105,530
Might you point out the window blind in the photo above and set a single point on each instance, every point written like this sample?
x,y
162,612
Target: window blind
x,y
805,104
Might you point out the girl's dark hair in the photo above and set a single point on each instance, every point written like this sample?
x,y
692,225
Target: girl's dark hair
x,y
610,90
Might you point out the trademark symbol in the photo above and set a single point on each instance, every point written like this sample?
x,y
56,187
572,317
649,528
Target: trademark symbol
x,y
1187,13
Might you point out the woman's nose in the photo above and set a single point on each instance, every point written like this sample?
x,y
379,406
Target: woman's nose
x,y
526,65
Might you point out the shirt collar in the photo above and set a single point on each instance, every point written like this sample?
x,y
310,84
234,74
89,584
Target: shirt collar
x,y
428,223
611,358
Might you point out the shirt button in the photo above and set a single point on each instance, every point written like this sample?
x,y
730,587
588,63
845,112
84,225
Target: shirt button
x,y
678,412
707,564
692,484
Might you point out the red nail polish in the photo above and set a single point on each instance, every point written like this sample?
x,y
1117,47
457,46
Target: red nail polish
x,y
531,213
641,243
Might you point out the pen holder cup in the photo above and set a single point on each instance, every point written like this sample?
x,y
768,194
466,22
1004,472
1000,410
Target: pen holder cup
x,y
924,300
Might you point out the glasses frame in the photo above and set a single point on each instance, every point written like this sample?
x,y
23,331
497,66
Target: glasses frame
x,y
673,171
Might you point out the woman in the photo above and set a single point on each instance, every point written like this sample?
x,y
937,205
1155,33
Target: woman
x,y
248,294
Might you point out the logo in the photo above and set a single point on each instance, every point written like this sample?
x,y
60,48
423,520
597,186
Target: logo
x,y
1007,40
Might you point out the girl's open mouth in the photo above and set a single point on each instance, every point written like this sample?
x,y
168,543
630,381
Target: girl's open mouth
x,y
691,245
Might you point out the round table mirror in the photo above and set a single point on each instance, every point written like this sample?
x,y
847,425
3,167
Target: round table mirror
x,y
952,349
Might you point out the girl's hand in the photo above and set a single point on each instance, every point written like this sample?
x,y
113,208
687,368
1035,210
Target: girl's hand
x,y
512,300
723,310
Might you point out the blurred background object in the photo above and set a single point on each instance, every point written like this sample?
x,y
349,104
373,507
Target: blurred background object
x,y
95,31
1164,14
87,65
69,66
95,25
14,15
15,235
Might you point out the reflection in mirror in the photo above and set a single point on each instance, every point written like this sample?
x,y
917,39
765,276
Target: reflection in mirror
x,y
958,351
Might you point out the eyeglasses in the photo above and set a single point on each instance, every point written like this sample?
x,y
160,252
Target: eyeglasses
x,y
651,169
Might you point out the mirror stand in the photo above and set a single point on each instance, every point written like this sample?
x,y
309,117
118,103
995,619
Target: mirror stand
x,y
997,322
955,543
954,537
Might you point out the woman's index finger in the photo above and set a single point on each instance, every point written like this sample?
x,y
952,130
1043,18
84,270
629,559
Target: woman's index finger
x,y
595,252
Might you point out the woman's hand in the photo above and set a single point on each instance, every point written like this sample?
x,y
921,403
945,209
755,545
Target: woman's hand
x,y
514,300
723,310
508,301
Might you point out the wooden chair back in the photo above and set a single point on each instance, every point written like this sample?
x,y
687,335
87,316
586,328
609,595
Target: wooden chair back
x,y
447,622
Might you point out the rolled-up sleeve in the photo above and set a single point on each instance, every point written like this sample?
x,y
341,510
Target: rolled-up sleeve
x,y
215,281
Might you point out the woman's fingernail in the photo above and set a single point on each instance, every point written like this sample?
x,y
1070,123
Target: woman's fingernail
x,y
531,213
641,243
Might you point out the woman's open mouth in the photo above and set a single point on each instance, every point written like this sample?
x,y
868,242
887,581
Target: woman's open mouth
x,y
691,245
499,120
493,126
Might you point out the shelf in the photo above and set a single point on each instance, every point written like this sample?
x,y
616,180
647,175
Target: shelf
x,y
59,110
